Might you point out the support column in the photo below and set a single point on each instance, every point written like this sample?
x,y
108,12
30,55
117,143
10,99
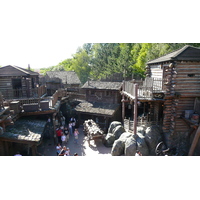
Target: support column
x,y
54,128
34,150
135,107
123,103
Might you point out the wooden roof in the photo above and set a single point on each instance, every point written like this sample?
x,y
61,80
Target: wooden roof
x,y
66,77
187,53
102,85
12,70
25,130
96,108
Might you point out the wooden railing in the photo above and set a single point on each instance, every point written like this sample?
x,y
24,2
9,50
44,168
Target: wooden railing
x,y
145,90
24,93
129,124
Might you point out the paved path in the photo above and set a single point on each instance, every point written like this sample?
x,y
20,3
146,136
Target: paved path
x,y
96,148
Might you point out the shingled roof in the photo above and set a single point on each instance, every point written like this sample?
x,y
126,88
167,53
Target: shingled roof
x,y
26,130
67,77
97,108
187,53
12,70
102,85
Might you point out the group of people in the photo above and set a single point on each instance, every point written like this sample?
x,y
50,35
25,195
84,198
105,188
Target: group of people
x,y
63,133
63,151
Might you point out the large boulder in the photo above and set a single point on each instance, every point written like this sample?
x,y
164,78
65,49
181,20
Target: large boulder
x,y
152,138
117,131
109,140
113,125
119,145
136,142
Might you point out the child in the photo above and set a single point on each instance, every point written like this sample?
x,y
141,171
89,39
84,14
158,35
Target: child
x,y
76,136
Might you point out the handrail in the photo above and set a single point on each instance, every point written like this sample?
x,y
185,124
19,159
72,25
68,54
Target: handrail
x,y
145,90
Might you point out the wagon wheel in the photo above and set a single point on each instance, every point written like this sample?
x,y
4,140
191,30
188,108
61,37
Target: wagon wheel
x,y
159,149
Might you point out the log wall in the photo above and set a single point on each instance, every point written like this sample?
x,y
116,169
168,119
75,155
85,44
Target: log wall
x,y
103,96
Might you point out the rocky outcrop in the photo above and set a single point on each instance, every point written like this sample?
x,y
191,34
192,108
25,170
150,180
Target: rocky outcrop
x,y
136,142
114,132
152,138
119,145
113,125
145,141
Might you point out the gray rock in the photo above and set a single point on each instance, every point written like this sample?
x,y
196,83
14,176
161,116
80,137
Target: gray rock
x,y
113,125
117,131
119,145
109,140
136,142
152,138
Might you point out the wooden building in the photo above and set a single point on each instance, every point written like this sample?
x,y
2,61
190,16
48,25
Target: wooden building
x,y
172,90
17,82
103,102
61,79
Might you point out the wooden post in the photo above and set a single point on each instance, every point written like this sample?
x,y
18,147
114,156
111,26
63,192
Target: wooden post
x,y
54,128
123,103
194,143
135,107
34,150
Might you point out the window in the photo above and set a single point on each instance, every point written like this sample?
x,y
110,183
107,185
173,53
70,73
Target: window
x,y
107,93
92,92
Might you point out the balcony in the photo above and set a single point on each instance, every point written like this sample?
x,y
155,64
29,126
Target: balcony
x,y
24,93
146,89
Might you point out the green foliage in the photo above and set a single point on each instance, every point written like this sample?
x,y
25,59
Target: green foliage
x,y
98,60
81,65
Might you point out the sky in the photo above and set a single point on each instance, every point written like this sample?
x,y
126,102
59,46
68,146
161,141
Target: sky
x,y
43,33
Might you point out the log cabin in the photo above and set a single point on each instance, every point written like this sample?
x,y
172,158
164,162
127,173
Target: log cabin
x,y
102,104
17,82
171,90
61,79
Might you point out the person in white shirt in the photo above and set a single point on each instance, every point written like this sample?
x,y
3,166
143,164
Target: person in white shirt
x,y
70,128
64,139
18,154
67,152
138,153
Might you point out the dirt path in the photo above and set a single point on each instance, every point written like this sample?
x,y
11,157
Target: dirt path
x,y
82,148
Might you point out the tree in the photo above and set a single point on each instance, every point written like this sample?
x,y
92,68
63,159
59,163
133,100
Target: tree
x,y
80,64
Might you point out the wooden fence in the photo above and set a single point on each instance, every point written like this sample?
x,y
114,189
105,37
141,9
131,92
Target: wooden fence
x,y
24,93
129,124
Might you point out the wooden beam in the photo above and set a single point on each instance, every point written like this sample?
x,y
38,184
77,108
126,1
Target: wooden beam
x,y
194,143
123,103
135,107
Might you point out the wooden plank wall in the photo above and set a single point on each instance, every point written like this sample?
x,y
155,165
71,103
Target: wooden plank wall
x,y
156,71
187,79
5,83
185,103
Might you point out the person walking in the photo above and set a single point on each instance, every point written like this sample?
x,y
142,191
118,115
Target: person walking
x,y
73,121
138,153
58,149
64,139
70,128
59,134
63,120
66,132
67,152
76,133
62,153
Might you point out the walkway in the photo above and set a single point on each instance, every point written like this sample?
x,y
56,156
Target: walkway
x,y
82,148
